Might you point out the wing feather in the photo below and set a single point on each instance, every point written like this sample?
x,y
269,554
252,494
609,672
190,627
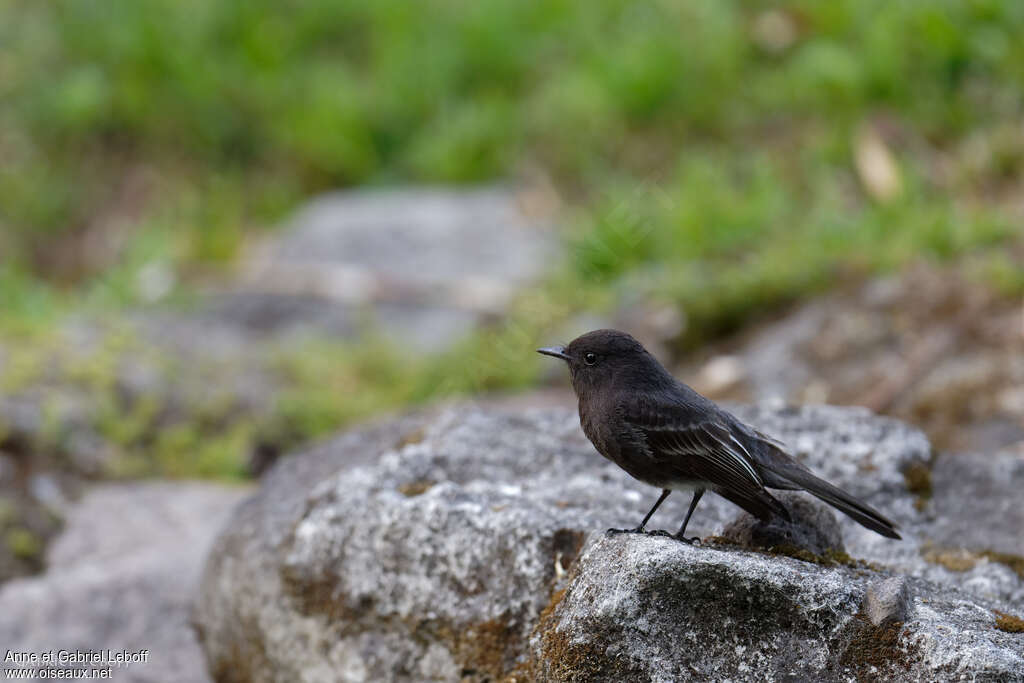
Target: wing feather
x,y
696,449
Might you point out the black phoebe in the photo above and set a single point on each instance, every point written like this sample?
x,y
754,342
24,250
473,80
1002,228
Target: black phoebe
x,y
667,435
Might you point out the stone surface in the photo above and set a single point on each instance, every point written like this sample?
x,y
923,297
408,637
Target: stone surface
x,y
121,576
99,397
647,608
814,528
87,401
471,546
425,265
930,346
977,502
888,601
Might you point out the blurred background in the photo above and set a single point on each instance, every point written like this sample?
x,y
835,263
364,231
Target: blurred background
x,y
228,229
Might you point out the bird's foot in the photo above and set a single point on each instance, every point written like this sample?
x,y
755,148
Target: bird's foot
x,y
639,530
688,541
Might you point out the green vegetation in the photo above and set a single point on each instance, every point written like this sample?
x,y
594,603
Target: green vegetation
x,y
706,154
22,543
212,117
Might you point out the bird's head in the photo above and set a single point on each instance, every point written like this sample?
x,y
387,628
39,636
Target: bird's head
x,y
606,359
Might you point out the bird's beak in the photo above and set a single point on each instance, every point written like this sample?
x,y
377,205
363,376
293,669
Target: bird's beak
x,y
556,351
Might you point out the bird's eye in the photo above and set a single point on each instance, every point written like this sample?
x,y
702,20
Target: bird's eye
x,y
590,358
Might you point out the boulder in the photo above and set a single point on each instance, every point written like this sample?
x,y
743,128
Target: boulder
x,y
817,530
651,609
120,577
422,263
173,390
470,545
931,345
976,502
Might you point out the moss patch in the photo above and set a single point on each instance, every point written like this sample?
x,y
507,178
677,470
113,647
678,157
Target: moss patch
x,y
563,659
559,657
411,437
1014,562
486,651
1008,622
962,560
874,649
830,558
556,600
918,478
567,660
416,488
23,544
954,559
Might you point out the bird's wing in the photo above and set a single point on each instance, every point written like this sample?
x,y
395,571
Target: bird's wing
x,y
698,449
772,461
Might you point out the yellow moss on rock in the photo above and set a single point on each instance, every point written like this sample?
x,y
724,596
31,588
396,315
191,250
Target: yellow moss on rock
x,y
962,560
415,488
484,650
918,478
1008,622
23,543
874,649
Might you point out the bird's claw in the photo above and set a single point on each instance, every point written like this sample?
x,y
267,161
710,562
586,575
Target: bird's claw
x,y
640,530
688,541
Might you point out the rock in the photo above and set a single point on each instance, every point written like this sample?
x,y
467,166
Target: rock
x,y
976,502
102,396
120,576
719,375
814,528
644,608
888,601
266,526
930,346
417,260
470,546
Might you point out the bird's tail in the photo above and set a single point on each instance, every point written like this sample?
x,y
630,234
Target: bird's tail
x,y
862,513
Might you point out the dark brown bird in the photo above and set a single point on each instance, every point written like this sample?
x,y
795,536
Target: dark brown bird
x,y
665,434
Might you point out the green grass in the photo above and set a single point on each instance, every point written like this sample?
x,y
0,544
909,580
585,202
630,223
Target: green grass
x,y
690,238
235,110
186,421
699,161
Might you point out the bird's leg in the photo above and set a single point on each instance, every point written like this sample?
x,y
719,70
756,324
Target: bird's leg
x,y
693,504
640,529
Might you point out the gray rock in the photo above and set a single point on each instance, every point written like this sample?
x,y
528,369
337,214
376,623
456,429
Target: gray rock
x,y
426,265
474,549
90,399
244,562
888,601
931,346
646,608
120,576
976,502
813,528
104,392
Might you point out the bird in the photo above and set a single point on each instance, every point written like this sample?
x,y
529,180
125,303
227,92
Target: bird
x,y
667,435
